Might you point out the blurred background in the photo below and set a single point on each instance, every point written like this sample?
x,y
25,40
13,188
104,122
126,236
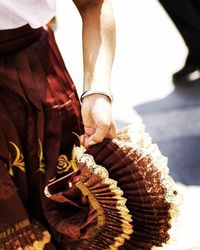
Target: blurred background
x,y
149,50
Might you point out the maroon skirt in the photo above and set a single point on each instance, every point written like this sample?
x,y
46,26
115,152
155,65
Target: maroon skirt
x,y
39,122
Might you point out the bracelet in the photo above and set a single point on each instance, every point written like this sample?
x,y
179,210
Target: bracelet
x,y
95,91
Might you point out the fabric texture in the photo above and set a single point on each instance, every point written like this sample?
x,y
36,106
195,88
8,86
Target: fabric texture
x,y
142,174
36,13
40,117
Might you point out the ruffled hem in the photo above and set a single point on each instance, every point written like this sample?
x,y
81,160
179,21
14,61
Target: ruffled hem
x,y
25,236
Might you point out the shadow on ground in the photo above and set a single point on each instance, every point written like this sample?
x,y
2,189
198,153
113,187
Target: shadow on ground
x,y
174,124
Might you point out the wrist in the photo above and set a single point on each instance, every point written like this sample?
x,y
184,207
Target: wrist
x,y
90,92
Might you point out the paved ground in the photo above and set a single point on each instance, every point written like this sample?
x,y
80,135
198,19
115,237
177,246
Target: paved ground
x,y
149,50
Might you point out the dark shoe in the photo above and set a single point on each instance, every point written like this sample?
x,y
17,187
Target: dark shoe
x,y
188,74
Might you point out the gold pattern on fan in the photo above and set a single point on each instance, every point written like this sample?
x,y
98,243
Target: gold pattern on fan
x,y
94,202
18,162
95,199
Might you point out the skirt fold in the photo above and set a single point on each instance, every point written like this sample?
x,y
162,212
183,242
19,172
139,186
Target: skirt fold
x,y
39,110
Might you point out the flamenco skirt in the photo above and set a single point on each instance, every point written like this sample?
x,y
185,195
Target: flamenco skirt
x,y
39,114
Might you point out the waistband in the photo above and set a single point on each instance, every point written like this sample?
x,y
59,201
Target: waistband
x,y
13,40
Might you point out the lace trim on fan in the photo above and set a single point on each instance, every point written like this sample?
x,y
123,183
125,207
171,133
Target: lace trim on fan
x,y
126,220
89,160
135,137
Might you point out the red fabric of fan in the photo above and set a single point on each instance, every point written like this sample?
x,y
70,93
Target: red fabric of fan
x,y
141,172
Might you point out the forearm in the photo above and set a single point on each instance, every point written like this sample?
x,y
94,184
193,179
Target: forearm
x,y
98,44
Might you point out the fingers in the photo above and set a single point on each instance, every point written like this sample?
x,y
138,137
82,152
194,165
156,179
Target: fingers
x,y
93,136
99,134
84,138
97,119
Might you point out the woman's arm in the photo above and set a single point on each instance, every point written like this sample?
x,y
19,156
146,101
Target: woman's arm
x,y
98,54
98,41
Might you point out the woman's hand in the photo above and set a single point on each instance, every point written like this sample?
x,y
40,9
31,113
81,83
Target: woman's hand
x,y
97,119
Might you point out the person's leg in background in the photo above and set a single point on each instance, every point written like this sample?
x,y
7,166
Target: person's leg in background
x,y
186,16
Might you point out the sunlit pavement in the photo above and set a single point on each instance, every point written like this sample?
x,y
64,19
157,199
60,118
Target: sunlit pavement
x,y
149,50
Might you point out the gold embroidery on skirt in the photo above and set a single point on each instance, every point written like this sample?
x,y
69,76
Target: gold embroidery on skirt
x,y
39,245
12,237
41,158
53,179
64,165
16,227
18,161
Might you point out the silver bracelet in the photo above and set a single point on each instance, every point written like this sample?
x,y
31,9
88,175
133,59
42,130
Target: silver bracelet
x,y
96,91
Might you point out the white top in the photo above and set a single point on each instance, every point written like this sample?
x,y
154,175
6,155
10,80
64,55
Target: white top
x,y
16,13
